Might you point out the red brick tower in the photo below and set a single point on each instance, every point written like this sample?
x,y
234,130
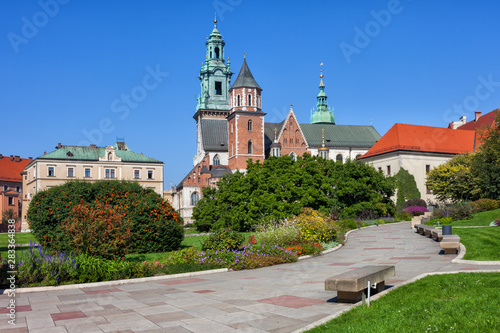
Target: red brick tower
x,y
245,121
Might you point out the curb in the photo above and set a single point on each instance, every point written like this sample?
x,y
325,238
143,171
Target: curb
x,y
461,254
382,293
115,282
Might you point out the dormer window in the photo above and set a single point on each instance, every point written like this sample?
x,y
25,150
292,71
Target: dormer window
x,y
69,154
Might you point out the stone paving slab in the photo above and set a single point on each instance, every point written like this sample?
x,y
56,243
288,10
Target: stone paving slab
x,y
279,299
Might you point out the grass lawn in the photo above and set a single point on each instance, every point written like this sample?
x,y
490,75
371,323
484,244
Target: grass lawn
x,y
20,237
483,218
480,243
463,302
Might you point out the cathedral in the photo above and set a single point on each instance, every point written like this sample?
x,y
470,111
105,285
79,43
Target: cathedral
x,y
230,128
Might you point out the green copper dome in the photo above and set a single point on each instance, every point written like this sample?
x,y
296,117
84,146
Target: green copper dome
x,y
322,113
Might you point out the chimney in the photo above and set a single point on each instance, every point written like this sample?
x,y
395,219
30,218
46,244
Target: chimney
x,y
45,152
30,158
1,156
478,114
11,157
93,146
59,145
17,159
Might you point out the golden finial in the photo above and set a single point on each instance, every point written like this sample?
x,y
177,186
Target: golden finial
x,y
215,19
244,55
321,70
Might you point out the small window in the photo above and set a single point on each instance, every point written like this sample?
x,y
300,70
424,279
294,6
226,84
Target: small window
x,y
137,174
250,147
18,189
238,100
5,188
110,173
249,99
150,174
284,141
87,172
388,170
380,169
110,156
51,172
358,156
339,158
216,160
217,53
293,155
11,201
218,88
250,125
195,197
427,169
71,172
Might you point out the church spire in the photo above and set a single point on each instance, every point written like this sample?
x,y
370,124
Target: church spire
x,y
322,114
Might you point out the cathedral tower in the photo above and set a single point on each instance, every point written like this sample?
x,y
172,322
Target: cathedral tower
x,y
213,102
245,121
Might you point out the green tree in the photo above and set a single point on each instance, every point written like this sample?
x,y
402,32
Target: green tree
x,y
486,162
280,187
453,180
406,187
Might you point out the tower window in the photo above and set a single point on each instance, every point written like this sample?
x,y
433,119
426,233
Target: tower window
x,y
249,100
250,146
250,125
217,52
216,159
218,88
238,100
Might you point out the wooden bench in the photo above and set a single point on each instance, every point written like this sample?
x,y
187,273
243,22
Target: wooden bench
x,y
351,285
450,244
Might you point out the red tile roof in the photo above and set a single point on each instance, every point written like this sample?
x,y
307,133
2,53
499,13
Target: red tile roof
x,y
424,139
483,121
10,170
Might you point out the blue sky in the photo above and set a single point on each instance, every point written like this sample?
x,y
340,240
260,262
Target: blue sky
x,y
67,65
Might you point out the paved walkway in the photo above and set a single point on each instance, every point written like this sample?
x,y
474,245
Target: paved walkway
x,y
282,298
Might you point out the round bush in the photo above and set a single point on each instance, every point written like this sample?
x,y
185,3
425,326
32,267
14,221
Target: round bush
x,y
415,202
155,225
224,239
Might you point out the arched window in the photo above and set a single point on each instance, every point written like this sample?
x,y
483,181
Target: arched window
x,y
195,197
249,99
217,53
339,158
110,156
216,159
250,125
293,155
250,146
238,100
358,156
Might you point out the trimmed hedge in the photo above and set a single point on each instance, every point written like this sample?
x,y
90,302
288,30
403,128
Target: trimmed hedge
x,y
156,226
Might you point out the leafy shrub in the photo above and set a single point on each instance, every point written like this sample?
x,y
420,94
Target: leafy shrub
x,y
279,233
38,266
98,230
483,205
414,202
442,221
403,216
94,269
155,225
184,256
314,226
416,210
347,224
224,239
461,210
306,248
406,187
247,258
